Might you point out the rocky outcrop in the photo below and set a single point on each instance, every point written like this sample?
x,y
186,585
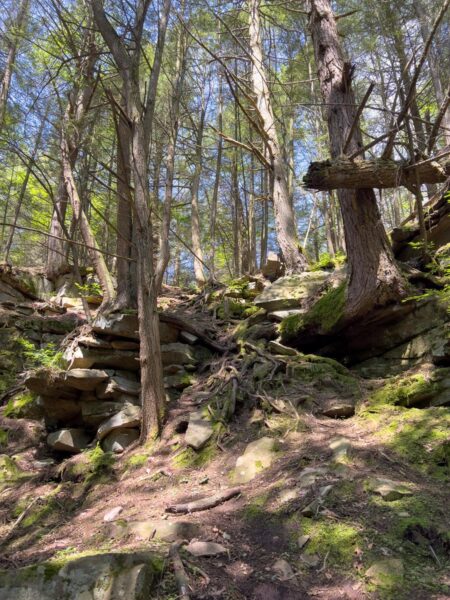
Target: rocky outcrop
x,y
289,292
97,396
97,577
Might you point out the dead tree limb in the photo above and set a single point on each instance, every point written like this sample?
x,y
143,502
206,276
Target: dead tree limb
x,y
342,173
179,571
204,503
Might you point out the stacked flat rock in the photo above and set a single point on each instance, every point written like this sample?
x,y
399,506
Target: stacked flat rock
x,y
97,397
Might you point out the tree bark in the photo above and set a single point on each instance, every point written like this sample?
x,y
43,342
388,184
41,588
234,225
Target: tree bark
x,y
376,173
140,117
126,270
14,41
374,279
286,229
199,272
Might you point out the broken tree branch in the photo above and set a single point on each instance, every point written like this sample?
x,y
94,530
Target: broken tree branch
x,y
343,173
204,503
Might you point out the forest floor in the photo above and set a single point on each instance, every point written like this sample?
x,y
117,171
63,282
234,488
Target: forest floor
x,y
316,523
350,530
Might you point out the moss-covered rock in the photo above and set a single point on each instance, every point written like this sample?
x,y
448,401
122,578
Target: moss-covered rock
x,y
24,405
323,316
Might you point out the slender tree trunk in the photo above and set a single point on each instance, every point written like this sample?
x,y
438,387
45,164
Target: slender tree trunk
x,y
140,116
95,256
195,213
284,215
126,269
374,278
13,46
24,185
164,246
433,62
215,195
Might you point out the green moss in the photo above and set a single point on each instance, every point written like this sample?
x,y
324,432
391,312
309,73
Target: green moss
x,y
137,460
403,391
255,508
189,458
3,438
323,315
419,436
337,540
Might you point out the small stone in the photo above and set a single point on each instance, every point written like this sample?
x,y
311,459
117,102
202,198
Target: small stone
x,y
303,540
199,431
257,456
119,439
189,338
112,514
390,490
283,570
206,549
340,447
339,409
312,560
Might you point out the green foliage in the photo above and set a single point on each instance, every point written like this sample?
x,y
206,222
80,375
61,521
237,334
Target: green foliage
x,y
89,289
23,406
189,458
47,356
326,261
3,438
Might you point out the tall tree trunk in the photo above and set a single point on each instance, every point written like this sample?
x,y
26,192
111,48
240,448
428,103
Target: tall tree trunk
x,y
126,269
140,116
374,279
13,45
195,212
23,187
164,246
80,217
284,215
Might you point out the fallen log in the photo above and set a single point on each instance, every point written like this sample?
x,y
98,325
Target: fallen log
x,y
204,503
343,173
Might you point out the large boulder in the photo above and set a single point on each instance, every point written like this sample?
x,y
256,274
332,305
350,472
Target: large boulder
x,y
85,380
119,439
113,576
289,292
117,386
127,326
177,354
69,440
94,412
128,418
83,357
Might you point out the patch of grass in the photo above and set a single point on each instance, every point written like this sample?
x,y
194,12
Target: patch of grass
x,y
418,436
326,261
338,540
255,508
